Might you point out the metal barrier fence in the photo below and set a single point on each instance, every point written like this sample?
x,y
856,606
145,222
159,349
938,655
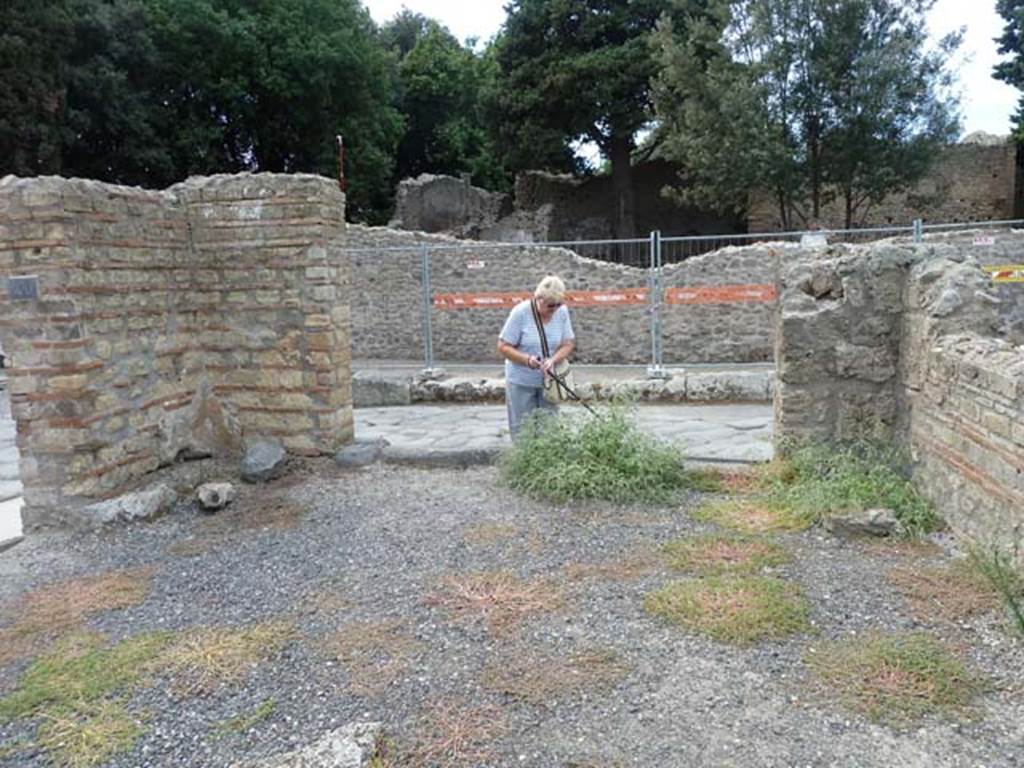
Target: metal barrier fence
x,y
645,260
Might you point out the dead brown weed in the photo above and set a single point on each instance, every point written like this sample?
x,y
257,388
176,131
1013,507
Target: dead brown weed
x,y
951,593
632,565
539,679
456,734
497,598
373,653
209,656
489,534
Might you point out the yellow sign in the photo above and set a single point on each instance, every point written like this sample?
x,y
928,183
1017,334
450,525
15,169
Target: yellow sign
x,y
1007,273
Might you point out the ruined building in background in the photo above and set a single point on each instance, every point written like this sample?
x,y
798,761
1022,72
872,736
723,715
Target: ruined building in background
x,y
975,180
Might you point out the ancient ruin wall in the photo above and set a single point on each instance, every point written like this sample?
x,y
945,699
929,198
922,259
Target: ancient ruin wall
x,y
169,324
902,341
968,182
717,308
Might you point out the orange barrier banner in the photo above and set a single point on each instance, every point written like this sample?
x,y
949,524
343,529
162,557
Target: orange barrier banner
x,y
720,294
1007,273
493,300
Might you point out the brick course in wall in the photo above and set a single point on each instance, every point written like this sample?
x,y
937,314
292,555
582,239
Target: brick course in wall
x,y
168,324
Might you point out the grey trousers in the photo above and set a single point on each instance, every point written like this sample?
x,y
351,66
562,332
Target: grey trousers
x,y
521,402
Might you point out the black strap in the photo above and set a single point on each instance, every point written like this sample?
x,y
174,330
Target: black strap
x,y
540,330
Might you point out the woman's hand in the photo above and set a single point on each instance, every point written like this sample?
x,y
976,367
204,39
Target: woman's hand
x,y
548,365
533,362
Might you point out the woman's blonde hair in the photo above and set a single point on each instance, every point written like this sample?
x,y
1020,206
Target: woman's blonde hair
x,y
551,288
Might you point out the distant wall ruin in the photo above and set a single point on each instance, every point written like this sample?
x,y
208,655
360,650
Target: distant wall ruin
x,y
904,341
169,324
967,182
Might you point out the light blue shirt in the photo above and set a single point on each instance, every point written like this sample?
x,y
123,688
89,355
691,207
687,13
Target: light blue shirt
x,y
520,331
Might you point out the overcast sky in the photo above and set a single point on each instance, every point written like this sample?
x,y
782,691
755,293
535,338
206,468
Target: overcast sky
x,y
987,104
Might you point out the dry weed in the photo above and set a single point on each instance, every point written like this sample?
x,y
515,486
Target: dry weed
x,y
374,653
953,592
539,680
207,657
255,513
489,534
751,516
724,554
455,734
895,547
89,737
64,605
500,599
630,566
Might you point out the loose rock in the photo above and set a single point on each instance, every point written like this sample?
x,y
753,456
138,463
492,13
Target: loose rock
x,y
263,461
872,522
214,496
352,746
360,453
141,505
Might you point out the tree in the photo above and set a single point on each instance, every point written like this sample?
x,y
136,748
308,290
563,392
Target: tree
x,y
32,90
1012,42
579,70
812,100
441,86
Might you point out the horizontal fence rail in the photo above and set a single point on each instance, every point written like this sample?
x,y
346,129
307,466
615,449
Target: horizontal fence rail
x,y
649,283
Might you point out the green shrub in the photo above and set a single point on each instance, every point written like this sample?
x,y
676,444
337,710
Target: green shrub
x,y
821,480
998,569
568,457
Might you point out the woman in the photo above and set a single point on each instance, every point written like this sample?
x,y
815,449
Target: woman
x,y
519,343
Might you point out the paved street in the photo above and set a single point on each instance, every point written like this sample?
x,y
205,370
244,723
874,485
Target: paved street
x,y
731,433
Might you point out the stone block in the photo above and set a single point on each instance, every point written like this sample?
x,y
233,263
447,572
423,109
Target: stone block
x,y
727,386
373,389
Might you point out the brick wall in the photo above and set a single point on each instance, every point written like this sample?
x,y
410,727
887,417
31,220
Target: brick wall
x,y
718,307
902,341
169,324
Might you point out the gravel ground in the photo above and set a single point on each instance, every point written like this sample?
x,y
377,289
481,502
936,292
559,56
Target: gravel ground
x,y
374,545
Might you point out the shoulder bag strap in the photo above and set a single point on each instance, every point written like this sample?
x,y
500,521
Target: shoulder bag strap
x,y
540,329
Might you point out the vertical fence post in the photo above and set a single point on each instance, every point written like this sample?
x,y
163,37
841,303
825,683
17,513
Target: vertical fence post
x,y
428,338
655,369
918,230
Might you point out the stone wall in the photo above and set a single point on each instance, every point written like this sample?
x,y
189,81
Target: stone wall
x,y
902,341
716,308
169,325
968,182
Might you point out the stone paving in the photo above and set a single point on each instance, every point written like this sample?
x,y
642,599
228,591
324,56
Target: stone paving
x,y
711,433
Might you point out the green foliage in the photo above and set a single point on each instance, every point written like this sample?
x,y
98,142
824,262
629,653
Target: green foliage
x,y
818,480
578,69
32,91
566,458
441,92
895,679
998,569
1011,43
810,101
733,609
79,672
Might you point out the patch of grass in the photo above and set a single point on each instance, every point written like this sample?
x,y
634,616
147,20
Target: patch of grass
x,y
753,516
207,657
907,549
732,609
497,598
64,605
540,680
998,569
574,457
88,736
952,592
895,679
818,480
374,653
712,554
80,671
243,722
